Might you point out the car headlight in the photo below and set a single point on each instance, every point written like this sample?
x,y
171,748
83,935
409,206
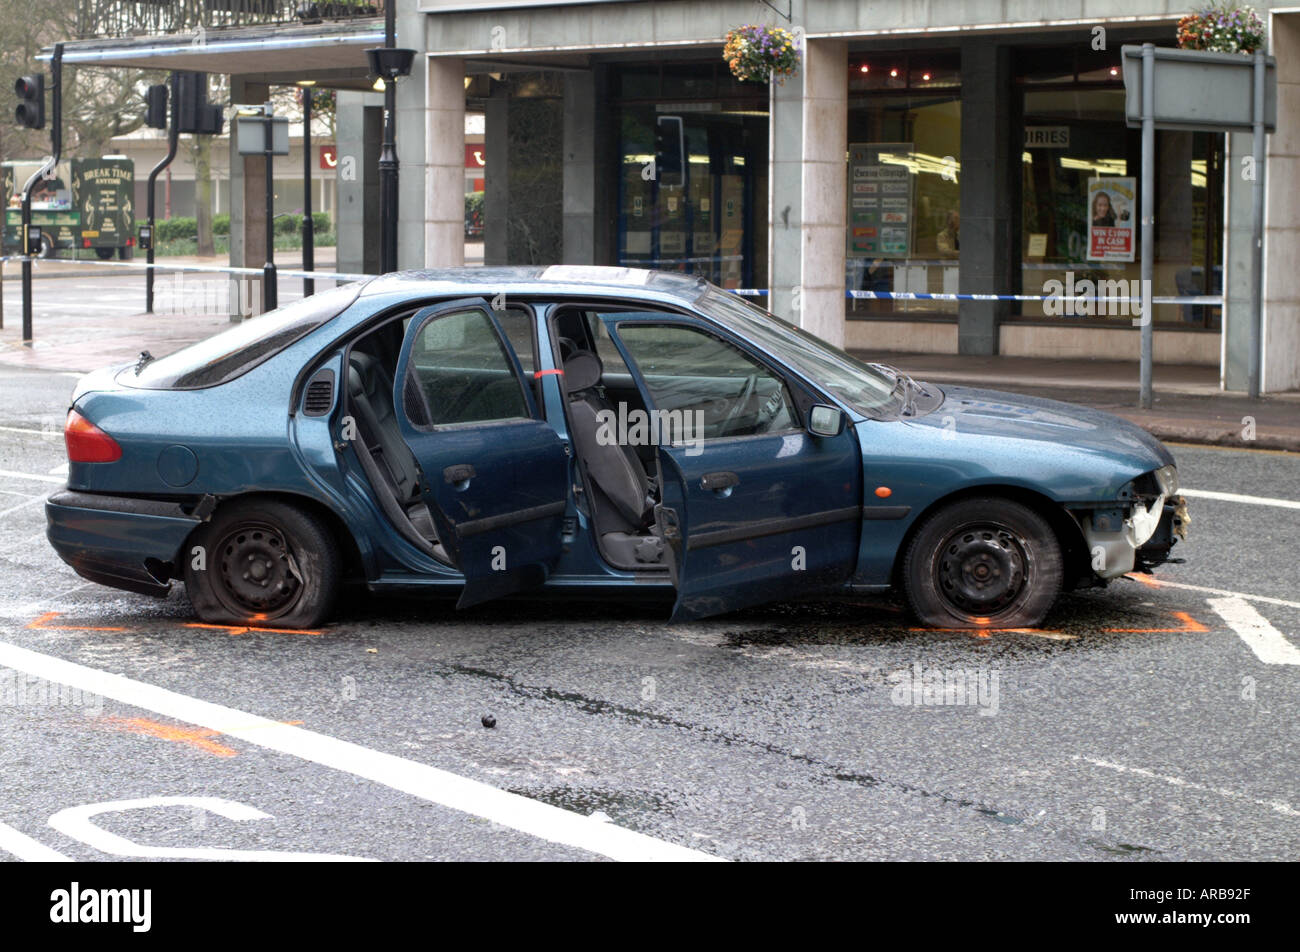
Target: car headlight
x,y
1167,479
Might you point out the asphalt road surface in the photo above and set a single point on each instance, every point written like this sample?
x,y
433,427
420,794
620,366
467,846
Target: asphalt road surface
x,y
1150,721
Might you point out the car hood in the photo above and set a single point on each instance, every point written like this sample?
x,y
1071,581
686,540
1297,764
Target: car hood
x,y
973,412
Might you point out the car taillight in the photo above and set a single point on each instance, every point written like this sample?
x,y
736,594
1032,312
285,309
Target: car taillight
x,y
87,443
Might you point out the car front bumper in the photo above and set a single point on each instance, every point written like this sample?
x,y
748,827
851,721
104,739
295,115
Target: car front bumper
x,y
119,541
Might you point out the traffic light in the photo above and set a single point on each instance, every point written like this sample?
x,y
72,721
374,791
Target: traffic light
x,y
197,115
155,106
31,101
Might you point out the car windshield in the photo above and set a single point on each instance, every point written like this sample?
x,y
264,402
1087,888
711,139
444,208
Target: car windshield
x,y
225,356
865,388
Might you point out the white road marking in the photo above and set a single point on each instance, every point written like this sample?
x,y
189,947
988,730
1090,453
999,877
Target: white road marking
x,y
419,780
78,823
1238,497
1266,599
60,470
29,431
1261,637
1279,805
40,478
22,505
28,849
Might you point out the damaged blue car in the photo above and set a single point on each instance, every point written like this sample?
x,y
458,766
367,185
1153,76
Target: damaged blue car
x,y
584,430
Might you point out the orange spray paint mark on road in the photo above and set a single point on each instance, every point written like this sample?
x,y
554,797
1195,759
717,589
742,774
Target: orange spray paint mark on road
x,y
198,738
1190,624
42,624
246,629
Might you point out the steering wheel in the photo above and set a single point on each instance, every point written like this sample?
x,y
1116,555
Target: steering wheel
x,y
751,384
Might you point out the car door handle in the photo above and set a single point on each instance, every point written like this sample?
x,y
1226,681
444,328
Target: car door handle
x,y
719,481
458,473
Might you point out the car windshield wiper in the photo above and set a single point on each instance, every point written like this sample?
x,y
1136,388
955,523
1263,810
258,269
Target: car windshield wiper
x,y
143,360
904,385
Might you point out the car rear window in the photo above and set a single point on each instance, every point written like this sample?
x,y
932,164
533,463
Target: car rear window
x,y
225,356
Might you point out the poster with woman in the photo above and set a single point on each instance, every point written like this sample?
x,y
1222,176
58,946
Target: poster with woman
x,y
1111,213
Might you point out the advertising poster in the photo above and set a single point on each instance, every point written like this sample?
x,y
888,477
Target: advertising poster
x,y
880,200
1112,210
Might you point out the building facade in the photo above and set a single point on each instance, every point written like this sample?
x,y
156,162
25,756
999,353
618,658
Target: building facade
x,y
924,147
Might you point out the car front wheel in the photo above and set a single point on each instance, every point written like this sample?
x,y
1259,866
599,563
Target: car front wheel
x,y
984,562
262,562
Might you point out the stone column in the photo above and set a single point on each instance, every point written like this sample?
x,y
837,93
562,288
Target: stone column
x,y
822,226
579,153
990,249
1281,361
444,171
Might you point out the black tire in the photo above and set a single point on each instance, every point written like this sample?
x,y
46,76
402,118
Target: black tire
x,y
292,560
104,254
47,247
984,562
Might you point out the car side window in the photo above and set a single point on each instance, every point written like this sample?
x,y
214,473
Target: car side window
x,y
518,325
719,389
460,367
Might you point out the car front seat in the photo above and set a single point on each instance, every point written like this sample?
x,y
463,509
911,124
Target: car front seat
x,y
616,469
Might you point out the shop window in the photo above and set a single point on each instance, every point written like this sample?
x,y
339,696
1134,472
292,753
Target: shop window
x,y
904,197
1081,208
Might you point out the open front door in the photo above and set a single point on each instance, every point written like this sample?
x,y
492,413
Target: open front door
x,y
493,475
753,507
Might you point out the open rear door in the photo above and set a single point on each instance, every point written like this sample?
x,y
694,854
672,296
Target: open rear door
x,y
494,476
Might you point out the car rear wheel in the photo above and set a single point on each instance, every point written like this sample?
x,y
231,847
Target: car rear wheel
x,y
985,562
263,562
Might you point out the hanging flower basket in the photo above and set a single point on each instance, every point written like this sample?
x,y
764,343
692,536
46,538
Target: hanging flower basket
x,y
1222,29
756,54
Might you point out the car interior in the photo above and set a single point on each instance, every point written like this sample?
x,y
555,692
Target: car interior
x,y
622,481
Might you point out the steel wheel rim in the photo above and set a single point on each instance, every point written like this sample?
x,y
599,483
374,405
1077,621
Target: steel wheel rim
x,y
257,572
982,569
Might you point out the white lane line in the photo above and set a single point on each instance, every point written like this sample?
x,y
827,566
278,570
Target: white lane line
x,y
40,478
1238,497
28,849
1261,637
419,780
22,429
22,505
1280,806
1266,599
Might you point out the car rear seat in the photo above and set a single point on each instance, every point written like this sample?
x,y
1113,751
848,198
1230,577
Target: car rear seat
x,y
370,390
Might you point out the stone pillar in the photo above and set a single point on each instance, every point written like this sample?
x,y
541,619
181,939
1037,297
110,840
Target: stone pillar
x,y
496,188
247,205
822,225
785,198
579,199
1281,360
444,172
990,249
1236,277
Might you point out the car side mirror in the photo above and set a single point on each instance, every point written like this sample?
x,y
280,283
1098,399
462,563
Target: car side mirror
x,y
825,421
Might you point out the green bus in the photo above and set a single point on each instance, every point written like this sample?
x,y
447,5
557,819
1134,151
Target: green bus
x,y
86,204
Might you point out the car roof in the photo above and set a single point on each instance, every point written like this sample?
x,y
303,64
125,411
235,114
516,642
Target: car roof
x,y
552,279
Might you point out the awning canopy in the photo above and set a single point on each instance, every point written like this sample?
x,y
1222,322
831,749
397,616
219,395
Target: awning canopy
x,y
331,54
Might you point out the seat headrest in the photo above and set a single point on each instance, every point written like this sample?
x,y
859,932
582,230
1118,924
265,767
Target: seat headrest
x,y
582,371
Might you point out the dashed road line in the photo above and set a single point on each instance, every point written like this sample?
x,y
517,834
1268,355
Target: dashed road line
x,y
1165,583
38,477
419,780
1255,630
1280,806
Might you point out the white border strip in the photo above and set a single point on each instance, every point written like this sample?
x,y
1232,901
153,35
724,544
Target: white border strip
x,y
1237,497
419,780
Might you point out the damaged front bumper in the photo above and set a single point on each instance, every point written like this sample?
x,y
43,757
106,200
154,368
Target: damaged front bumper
x,y
1140,532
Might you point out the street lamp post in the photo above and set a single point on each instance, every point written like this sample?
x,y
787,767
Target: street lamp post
x,y
388,63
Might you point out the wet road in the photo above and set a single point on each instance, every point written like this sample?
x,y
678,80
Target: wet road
x,y
1147,721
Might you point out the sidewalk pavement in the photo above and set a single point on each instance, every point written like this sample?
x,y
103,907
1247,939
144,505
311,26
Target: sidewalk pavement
x,y
1188,405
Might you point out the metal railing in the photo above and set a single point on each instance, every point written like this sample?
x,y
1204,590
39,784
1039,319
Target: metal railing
x,y
121,18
